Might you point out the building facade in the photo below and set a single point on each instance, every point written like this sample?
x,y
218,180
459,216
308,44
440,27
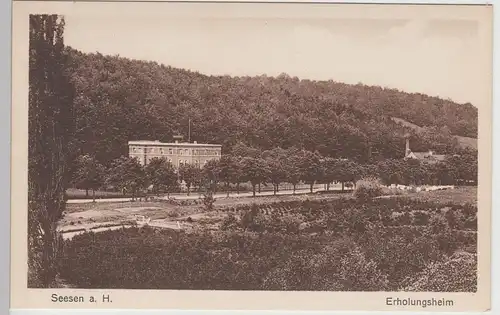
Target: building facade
x,y
177,153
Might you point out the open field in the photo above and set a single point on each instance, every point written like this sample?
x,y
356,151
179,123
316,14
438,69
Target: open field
x,y
459,195
91,215
316,242
81,216
465,142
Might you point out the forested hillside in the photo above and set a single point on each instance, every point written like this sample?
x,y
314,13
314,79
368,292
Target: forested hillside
x,y
119,99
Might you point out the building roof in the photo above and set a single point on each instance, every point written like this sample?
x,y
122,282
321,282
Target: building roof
x,y
427,156
173,144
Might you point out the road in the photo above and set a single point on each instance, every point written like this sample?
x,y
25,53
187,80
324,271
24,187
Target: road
x,y
217,196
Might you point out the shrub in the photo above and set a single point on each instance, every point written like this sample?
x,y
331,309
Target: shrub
x,y
146,258
367,189
230,222
357,273
457,273
327,271
403,219
399,252
438,224
420,218
208,201
357,247
249,220
471,224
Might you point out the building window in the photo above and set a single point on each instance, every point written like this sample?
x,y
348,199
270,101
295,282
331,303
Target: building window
x,y
186,151
161,151
181,152
169,151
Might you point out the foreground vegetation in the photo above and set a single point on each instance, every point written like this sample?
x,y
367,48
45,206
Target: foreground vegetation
x,y
338,244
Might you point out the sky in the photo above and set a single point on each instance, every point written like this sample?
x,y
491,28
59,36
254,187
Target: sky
x,y
436,56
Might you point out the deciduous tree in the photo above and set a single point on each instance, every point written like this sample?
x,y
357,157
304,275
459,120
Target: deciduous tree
x,y
254,170
190,174
127,174
275,160
212,174
161,174
90,174
310,164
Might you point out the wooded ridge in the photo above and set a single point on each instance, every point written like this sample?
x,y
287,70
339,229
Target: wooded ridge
x,y
119,99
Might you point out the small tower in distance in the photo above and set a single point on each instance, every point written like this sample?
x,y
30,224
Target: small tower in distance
x,y
407,148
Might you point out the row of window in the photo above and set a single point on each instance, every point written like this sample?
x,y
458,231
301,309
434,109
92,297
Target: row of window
x,y
182,162
177,151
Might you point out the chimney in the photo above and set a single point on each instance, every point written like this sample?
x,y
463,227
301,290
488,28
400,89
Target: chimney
x,y
195,142
407,151
176,141
430,152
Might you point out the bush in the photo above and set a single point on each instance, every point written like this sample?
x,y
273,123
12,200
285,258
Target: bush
x,y
420,218
457,273
340,244
208,201
230,222
403,219
145,258
367,189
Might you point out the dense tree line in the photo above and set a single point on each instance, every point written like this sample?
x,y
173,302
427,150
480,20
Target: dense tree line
x,y
119,99
273,167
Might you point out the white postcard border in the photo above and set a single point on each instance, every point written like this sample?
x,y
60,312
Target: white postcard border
x,y
19,154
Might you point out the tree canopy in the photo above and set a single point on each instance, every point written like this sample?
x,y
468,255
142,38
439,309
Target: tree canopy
x,y
120,99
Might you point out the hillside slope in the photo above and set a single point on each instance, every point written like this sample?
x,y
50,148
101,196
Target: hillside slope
x,y
119,99
464,142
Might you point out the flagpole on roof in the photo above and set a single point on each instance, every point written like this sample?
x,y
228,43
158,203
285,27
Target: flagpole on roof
x,y
189,132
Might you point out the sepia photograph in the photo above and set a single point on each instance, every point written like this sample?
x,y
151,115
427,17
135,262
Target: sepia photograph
x,y
222,147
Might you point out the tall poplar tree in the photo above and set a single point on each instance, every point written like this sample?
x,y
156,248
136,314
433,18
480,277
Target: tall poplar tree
x,y
51,127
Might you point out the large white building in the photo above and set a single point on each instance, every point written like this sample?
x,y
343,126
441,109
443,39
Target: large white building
x,y
177,153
